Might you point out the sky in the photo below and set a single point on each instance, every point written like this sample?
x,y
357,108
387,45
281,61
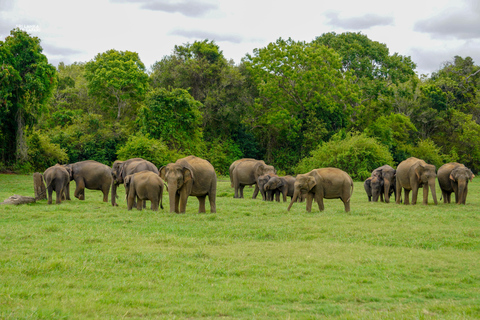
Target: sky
x,y
431,32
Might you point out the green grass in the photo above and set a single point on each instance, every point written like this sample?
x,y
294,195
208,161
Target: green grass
x,y
251,260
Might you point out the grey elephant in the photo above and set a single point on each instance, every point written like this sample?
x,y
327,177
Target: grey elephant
x,y
283,185
387,175
234,165
325,183
267,195
141,186
454,177
57,179
121,169
413,174
92,175
246,173
373,188
190,176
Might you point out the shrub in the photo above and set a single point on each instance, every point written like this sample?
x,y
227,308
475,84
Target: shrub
x,y
42,153
221,154
153,150
355,153
430,153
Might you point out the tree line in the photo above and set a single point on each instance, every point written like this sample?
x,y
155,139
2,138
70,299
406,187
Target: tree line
x,y
340,100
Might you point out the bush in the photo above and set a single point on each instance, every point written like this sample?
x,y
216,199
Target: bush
x,y
42,153
141,146
221,154
430,153
355,153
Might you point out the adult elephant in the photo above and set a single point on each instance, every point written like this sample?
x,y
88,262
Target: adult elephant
x,y
190,176
386,174
234,165
57,179
413,174
141,186
92,175
283,185
325,183
246,173
454,177
121,169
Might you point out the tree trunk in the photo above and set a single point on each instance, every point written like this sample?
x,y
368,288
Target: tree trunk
x,y
39,187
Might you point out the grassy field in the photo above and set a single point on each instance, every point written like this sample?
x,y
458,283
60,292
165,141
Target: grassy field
x,y
250,260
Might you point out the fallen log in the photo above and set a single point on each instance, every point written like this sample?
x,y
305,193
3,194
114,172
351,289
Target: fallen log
x,y
16,199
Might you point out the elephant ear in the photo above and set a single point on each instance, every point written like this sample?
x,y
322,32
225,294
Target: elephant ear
x,y
470,175
281,182
162,172
312,180
128,180
418,171
259,169
452,177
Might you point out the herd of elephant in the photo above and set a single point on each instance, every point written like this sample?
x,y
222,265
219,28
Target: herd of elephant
x,y
193,176
412,174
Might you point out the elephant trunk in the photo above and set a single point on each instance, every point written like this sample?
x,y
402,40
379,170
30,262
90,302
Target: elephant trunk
x,y
114,193
431,184
386,190
294,198
172,195
460,197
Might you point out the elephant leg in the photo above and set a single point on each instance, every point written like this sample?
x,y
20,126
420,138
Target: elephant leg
x,y
140,204
381,197
255,192
277,195
50,191
58,199
444,195
80,189
183,201
407,196
464,196
347,205
425,194
321,207
309,202
213,204
105,190
201,204
155,204
241,187
67,191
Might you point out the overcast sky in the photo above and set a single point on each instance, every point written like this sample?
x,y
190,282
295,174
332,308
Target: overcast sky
x,y
431,32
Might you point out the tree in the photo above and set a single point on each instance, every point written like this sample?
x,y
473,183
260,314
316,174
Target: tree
x,y
27,81
175,117
202,69
119,79
304,97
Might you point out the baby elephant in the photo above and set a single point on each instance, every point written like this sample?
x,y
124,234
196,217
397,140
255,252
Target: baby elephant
x,y
284,185
144,185
373,187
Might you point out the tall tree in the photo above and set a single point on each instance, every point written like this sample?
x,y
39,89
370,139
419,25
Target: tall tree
x,y
27,81
119,79
304,97
202,69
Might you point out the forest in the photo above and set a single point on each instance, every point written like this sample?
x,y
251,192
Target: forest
x,y
341,100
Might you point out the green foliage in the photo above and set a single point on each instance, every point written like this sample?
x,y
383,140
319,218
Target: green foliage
x,y
175,117
429,152
117,78
221,154
202,69
42,153
355,153
153,150
89,137
304,97
395,131
27,81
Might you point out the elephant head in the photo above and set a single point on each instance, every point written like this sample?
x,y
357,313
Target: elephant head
x,y
460,177
304,184
179,179
274,183
425,174
262,169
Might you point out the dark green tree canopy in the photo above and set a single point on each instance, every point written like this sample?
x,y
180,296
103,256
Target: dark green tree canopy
x,y
118,79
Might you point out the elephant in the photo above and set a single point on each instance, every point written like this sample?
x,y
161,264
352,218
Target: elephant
x,y
57,179
284,185
454,177
373,188
246,173
388,181
234,164
121,169
92,175
144,185
328,183
412,174
190,176
262,181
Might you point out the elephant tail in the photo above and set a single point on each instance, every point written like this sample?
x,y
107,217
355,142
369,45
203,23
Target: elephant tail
x,y
351,191
46,188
